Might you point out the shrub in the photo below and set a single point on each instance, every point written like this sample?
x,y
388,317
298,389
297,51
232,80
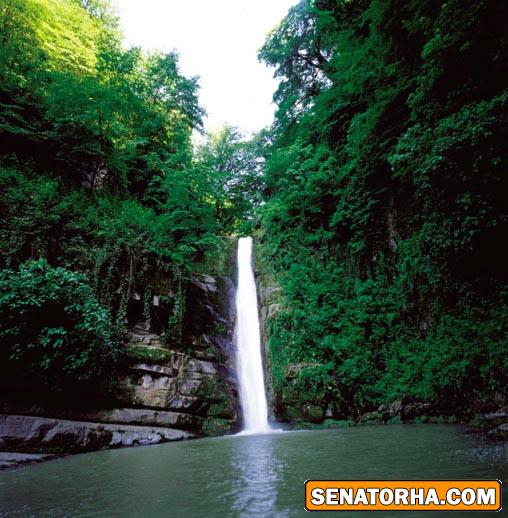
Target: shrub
x,y
53,328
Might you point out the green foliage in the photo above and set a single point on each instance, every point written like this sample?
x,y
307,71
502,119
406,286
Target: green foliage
x,y
229,169
119,241
53,328
140,354
378,195
96,163
384,201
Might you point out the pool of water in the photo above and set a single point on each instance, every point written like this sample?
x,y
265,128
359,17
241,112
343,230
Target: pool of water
x,y
255,476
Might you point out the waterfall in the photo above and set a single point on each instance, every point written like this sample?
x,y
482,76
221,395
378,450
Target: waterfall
x,y
250,365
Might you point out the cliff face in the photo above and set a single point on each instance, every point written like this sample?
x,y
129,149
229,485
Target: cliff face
x,y
196,376
177,382
292,402
287,401
269,304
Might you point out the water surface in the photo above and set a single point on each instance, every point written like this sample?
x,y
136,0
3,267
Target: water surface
x,y
255,476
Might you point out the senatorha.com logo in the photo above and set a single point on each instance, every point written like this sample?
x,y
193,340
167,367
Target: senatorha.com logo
x,y
403,495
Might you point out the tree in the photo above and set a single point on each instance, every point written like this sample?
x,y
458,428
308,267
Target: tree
x,y
229,169
382,203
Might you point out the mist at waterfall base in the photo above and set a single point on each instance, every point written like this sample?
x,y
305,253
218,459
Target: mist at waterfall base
x,y
249,360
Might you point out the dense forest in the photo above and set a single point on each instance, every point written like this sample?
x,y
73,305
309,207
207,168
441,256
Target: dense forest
x,y
378,197
99,185
385,214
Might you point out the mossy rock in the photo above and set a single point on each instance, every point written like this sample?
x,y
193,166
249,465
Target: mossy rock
x,y
313,413
221,409
478,421
214,426
141,354
293,413
371,418
307,425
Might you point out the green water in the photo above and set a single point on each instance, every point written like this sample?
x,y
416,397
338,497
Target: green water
x,y
246,476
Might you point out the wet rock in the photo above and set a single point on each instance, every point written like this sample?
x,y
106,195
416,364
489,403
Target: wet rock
x,y
10,460
395,408
375,417
29,432
404,410
498,417
415,409
499,433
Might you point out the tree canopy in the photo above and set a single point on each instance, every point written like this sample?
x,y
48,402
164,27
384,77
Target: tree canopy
x,y
384,201
377,196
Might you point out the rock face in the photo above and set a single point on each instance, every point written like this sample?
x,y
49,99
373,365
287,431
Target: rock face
x,y
56,435
499,433
181,382
134,416
198,379
10,460
191,391
269,305
287,402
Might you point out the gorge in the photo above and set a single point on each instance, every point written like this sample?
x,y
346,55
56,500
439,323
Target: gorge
x,y
179,396
367,313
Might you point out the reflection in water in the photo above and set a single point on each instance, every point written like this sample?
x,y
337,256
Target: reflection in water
x,y
259,474
246,476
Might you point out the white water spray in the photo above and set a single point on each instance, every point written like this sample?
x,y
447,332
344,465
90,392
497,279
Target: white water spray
x,y
250,365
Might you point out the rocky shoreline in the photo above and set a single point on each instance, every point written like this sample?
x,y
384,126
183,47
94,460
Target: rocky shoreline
x,y
492,425
165,392
52,434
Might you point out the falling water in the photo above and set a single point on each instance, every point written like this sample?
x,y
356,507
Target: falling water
x,y
250,365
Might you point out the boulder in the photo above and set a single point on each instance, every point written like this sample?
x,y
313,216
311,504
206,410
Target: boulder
x,y
135,416
313,413
28,433
498,417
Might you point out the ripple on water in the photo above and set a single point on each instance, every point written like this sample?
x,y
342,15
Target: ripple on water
x,y
256,475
